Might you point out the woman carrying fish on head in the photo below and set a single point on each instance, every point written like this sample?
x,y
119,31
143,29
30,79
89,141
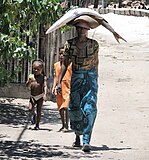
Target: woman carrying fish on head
x,y
83,53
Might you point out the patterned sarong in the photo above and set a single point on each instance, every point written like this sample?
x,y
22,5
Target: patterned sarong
x,y
83,99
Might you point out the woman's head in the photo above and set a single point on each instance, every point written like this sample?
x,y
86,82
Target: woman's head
x,y
82,26
37,67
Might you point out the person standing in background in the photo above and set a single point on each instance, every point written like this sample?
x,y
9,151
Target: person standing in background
x,y
62,99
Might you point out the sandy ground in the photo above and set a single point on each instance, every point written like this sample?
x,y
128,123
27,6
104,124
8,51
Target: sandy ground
x,y
121,129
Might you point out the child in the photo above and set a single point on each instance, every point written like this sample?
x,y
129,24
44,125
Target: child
x,y
38,86
63,98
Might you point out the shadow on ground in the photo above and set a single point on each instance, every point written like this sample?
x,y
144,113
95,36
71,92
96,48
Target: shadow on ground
x,y
23,149
106,148
27,150
18,115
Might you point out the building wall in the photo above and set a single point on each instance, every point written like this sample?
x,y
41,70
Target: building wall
x,y
15,90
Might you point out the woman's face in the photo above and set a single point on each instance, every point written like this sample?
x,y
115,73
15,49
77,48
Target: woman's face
x,y
81,31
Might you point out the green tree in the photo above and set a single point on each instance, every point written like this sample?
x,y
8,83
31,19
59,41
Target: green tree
x,y
20,20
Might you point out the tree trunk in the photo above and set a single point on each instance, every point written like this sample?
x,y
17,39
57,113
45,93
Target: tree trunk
x,y
41,42
96,4
120,4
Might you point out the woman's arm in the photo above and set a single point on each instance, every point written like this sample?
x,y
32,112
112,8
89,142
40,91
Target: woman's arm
x,y
96,58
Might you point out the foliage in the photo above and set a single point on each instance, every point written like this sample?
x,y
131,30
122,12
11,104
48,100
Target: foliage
x,y
20,21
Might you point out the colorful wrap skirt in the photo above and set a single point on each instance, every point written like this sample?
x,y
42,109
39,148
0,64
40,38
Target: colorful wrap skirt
x,y
83,99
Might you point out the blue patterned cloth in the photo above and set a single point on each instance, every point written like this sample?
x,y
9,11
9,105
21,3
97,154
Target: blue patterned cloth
x,y
83,99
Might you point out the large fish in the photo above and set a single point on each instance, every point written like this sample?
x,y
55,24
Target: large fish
x,y
75,13
71,15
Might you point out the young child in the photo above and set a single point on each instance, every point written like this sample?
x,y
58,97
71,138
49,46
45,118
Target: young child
x,y
38,87
63,98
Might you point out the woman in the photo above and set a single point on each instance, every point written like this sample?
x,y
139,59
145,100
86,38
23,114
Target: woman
x,y
83,52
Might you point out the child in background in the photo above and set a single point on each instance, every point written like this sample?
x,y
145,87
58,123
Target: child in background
x,y
63,98
38,86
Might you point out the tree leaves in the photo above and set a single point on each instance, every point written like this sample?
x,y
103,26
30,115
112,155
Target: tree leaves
x,y
19,22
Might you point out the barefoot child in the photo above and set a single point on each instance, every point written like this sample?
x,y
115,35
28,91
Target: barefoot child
x,y
62,99
38,86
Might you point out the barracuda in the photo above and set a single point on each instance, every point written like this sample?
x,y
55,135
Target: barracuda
x,y
67,19
71,15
